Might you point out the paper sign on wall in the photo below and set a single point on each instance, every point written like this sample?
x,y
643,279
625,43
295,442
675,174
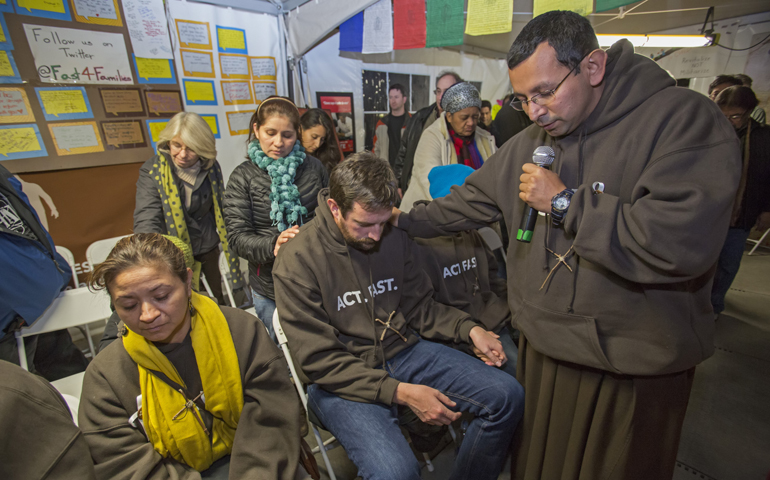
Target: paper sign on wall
x,y
154,70
5,37
211,119
163,103
97,12
263,68
146,23
123,134
76,138
122,102
154,127
199,92
68,55
236,93
231,40
14,106
21,141
64,103
234,66
238,122
193,34
198,64
262,90
9,73
56,9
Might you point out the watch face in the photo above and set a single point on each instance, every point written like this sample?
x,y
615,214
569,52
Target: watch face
x,y
561,203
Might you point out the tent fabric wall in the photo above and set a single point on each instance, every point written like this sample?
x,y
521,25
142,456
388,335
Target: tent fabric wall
x,y
263,38
329,71
311,22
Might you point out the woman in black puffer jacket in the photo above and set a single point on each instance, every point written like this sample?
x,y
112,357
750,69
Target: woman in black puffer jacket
x,y
270,195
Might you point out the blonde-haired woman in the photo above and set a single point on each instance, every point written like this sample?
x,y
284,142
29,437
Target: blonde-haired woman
x,y
179,193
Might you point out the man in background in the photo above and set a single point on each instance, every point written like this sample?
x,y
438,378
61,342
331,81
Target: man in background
x,y
417,124
722,82
485,117
387,132
758,114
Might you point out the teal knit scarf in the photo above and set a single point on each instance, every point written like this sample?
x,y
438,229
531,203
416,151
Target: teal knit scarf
x,y
285,206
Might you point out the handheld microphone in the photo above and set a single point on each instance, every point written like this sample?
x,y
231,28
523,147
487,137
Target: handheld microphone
x,y
543,158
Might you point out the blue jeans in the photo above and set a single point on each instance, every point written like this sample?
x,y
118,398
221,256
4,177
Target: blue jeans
x,y
370,434
511,351
264,308
727,266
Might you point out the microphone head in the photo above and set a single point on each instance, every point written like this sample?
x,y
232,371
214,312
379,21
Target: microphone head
x,y
543,156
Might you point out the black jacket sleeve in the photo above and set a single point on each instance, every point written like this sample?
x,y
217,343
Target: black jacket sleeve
x,y
148,213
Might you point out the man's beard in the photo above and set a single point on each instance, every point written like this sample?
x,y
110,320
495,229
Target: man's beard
x,y
363,244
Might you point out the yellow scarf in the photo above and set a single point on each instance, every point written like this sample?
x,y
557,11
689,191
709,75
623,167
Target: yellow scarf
x,y
184,438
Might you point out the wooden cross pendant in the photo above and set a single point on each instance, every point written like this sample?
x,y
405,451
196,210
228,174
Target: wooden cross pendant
x,y
190,405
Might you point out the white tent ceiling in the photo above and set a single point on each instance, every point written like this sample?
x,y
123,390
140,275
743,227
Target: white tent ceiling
x,y
314,19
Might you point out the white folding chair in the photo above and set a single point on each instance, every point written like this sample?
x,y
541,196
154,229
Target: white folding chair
x,y
224,271
97,252
492,239
84,329
283,342
758,243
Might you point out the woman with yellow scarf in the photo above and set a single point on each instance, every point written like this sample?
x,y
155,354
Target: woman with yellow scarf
x,y
191,390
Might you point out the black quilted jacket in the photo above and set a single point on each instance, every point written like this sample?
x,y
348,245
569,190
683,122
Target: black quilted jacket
x,y
250,231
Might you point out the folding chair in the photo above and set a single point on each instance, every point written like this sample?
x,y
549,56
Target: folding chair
x,y
283,342
84,329
97,252
758,243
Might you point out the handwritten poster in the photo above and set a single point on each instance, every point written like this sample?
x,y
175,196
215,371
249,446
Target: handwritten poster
x,y
199,92
123,134
154,127
154,70
122,102
14,106
64,103
581,7
238,122
231,40
486,17
68,55
263,68
198,64
262,90
56,9
234,66
5,37
146,23
236,93
9,73
163,103
211,119
97,12
21,141
193,34
76,138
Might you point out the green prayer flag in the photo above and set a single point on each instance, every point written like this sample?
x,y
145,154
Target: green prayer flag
x,y
445,23
604,5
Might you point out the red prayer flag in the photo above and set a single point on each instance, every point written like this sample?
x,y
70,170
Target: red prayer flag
x,y
408,24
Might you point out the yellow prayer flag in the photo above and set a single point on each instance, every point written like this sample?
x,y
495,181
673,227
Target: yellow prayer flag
x,y
487,17
581,7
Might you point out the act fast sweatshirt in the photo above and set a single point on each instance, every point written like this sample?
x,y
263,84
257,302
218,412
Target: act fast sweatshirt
x,y
345,311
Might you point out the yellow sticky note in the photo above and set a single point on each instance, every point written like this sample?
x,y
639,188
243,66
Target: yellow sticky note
x,y
6,69
56,102
155,129
199,91
153,68
231,39
487,17
46,5
212,121
581,7
14,140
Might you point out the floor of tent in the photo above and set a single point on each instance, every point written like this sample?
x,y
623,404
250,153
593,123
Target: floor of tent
x,y
726,433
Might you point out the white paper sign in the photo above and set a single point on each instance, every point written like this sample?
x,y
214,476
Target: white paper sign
x,y
96,9
197,62
239,120
68,55
263,90
378,28
263,67
146,23
77,136
232,65
193,33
